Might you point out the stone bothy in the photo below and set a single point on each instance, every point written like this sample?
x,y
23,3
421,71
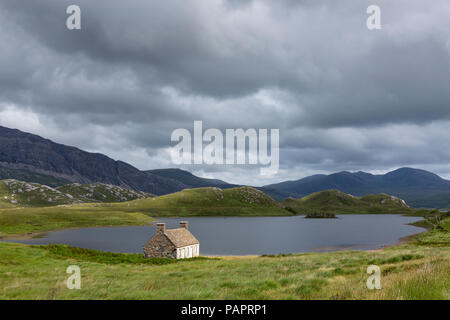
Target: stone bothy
x,y
178,243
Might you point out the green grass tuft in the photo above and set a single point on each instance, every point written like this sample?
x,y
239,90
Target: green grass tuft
x,y
68,252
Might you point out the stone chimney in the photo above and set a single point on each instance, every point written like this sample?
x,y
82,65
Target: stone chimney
x,y
160,227
184,224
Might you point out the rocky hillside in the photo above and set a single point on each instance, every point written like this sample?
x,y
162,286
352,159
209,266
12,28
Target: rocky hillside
x,y
17,193
334,201
28,157
99,192
14,193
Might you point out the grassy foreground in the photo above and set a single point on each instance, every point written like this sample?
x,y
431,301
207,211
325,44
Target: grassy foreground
x,y
417,270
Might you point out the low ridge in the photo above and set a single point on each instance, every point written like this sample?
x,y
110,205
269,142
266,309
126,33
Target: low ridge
x,y
335,201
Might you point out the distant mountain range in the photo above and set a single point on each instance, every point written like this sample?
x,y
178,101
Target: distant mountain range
x,y
31,158
419,188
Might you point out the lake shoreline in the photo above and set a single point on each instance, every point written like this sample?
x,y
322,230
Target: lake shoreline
x,y
314,244
34,235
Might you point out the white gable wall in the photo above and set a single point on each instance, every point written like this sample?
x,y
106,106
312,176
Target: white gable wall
x,y
188,251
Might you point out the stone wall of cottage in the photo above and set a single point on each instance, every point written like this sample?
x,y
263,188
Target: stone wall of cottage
x,y
160,247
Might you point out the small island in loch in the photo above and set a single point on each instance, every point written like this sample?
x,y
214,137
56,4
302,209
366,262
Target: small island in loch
x,y
320,215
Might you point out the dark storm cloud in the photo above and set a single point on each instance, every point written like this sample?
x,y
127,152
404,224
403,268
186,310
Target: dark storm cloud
x,y
340,94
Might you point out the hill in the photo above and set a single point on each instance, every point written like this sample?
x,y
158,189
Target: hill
x,y
417,187
14,193
334,201
210,201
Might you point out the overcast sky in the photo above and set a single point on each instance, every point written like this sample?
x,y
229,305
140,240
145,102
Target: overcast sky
x,y
343,97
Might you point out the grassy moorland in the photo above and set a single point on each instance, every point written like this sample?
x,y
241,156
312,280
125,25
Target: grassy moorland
x,y
416,270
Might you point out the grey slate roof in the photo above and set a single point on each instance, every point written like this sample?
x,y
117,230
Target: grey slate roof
x,y
181,237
